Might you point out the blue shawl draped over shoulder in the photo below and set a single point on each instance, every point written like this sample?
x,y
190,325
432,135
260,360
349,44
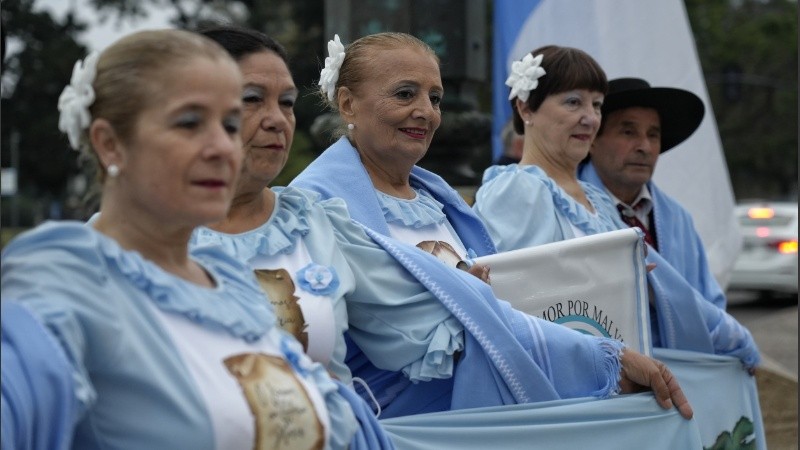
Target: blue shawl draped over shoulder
x,y
690,314
338,172
508,355
679,243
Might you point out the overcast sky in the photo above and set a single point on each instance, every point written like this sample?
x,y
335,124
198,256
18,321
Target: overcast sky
x,y
98,36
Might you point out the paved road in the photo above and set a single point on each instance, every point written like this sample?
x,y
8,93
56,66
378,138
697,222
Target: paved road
x,y
773,324
774,327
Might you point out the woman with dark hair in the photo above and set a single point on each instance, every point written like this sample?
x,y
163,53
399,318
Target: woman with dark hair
x,y
282,234
556,97
557,94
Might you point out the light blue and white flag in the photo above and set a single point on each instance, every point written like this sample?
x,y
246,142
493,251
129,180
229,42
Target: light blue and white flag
x,y
648,39
723,395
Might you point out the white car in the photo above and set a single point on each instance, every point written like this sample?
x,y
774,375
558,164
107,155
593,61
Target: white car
x,y
768,261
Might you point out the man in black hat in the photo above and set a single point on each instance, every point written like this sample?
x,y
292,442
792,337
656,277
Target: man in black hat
x,y
639,123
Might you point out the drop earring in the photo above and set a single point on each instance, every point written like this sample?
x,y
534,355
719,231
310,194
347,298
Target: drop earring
x,y
113,170
351,126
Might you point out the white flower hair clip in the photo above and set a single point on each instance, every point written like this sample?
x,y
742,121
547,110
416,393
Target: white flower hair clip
x,y
76,99
330,74
524,76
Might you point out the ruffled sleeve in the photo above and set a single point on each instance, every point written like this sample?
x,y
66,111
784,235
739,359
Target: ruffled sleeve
x,y
79,283
517,208
47,279
395,321
523,207
279,235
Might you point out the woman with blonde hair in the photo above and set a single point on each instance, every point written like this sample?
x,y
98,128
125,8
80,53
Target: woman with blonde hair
x,y
115,334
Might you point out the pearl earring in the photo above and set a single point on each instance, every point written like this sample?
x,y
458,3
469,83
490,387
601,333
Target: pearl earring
x,y
527,122
350,126
113,170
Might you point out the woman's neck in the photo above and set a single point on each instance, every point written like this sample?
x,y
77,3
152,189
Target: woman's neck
x,y
390,179
247,212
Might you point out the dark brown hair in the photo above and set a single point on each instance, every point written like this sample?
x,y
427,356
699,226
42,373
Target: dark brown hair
x,y
566,68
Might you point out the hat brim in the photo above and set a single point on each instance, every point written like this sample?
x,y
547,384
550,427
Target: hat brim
x,y
681,112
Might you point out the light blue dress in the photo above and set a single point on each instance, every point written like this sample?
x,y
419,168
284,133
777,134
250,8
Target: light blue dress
x,y
142,358
507,358
299,226
424,337
524,207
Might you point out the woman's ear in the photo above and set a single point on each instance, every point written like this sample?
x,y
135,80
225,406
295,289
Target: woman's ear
x,y
346,101
523,109
106,143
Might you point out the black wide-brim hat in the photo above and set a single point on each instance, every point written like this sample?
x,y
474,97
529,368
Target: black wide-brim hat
x,y
681,111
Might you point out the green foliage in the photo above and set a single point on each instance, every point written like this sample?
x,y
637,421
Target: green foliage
x,y
302,153
741,438
32,81
748,49
757,124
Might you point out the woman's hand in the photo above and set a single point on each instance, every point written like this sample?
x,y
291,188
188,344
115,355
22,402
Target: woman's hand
x,y
640,373
480,271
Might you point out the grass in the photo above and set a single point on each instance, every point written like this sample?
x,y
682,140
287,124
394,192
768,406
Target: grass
x,y
7,233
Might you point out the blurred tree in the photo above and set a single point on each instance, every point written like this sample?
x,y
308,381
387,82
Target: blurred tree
x,y
748,50
32,80
298,25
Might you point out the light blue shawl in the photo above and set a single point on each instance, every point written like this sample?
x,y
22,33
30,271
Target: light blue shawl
x,y
509,357
678,241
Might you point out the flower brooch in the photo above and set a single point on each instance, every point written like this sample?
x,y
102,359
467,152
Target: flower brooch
x,y
318,279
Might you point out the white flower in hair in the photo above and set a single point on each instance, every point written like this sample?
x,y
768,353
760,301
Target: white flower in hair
x,y
330,74
76,99
524,76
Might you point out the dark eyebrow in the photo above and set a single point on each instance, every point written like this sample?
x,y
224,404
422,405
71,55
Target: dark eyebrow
x,y
630,123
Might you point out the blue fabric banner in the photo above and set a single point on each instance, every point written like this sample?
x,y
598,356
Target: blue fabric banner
x,y
723,395
624,422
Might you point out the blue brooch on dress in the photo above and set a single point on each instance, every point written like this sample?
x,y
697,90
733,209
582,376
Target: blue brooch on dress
x,y
318,279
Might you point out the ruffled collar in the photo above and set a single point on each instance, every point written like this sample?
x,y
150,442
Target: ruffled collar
x,y
576,213
278,235
234,305
421,211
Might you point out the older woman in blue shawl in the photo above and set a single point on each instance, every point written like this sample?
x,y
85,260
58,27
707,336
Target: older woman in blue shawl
x,y
558,109
387,88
